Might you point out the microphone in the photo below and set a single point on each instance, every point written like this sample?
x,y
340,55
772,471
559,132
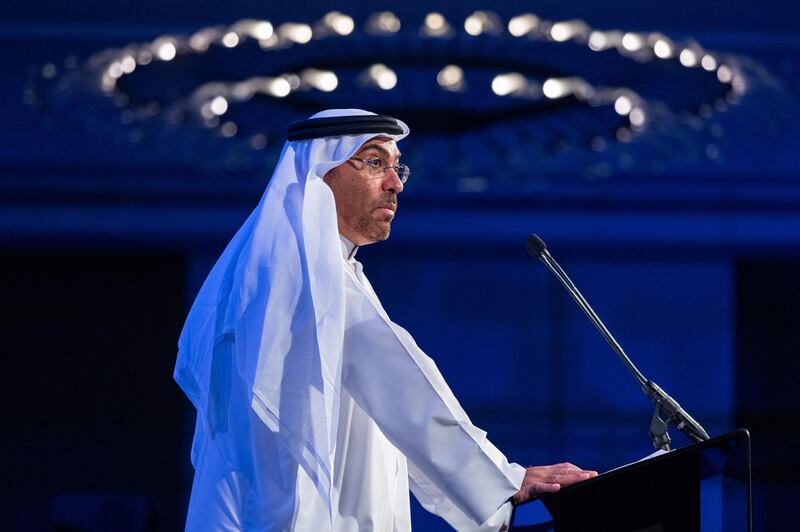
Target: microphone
x,y
667,409
536,246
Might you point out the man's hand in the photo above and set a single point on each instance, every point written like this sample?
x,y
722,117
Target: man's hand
x,y
549,479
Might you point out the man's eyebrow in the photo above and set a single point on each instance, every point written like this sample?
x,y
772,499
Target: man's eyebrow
x,y
386,154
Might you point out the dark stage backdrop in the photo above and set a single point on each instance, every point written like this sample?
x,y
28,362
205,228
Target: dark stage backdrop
x,y
768,358
93,425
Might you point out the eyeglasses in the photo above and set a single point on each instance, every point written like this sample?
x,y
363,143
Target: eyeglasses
x,y
376,168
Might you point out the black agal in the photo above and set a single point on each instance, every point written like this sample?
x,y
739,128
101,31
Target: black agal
x,y
334,126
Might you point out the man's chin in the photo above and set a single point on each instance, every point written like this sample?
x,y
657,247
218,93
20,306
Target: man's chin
x,y
379,234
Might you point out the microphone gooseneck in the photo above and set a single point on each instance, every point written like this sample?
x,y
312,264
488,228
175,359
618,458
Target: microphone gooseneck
x,y
667,409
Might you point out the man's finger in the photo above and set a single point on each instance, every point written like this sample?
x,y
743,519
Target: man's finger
x,y
543,487
568,479
569,470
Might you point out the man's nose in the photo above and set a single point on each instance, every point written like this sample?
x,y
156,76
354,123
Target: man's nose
x,y
391,181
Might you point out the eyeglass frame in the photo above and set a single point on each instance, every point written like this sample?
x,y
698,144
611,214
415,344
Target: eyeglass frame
x,y
399,169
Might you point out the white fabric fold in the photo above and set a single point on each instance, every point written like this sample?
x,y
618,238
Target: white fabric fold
x,y
454,470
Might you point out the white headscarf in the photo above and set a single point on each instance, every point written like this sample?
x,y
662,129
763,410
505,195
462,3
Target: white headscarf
x,y
277,292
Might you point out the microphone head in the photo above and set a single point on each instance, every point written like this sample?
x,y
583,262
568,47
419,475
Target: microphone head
x,y
535,246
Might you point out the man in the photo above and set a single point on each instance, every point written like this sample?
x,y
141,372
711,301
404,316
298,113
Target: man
x,y
316,411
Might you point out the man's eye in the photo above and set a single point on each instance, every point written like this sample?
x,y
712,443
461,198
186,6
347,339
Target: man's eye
x,y
375,163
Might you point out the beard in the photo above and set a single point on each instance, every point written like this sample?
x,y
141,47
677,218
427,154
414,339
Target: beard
x,y
373,226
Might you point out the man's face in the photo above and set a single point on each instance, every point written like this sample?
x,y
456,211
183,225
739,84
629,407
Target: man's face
x,y
366,203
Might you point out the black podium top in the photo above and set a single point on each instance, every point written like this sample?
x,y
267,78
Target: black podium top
x,y
704,487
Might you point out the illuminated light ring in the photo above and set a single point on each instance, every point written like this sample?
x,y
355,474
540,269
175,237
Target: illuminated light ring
x,y
484,55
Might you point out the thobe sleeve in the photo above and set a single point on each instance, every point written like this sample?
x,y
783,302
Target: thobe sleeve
x,y
435,500
455,471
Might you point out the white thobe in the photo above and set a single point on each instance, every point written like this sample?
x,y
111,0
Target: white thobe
x,y
399,427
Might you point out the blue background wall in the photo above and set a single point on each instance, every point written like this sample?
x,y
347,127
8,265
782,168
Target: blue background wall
x,y
104,244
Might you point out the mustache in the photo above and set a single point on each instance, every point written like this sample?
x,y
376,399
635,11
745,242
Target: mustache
x,y
387,198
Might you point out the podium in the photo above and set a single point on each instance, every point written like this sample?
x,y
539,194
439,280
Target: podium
x,y
704,487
